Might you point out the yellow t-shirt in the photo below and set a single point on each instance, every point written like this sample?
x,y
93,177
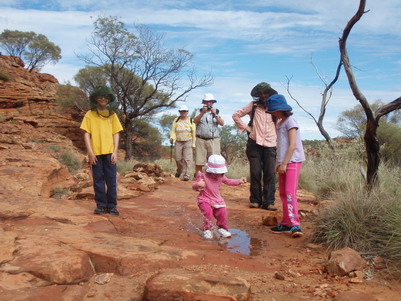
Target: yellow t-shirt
x,y
101,130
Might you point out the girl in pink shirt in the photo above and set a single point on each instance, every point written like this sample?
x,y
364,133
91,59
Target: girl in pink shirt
x,y
209,200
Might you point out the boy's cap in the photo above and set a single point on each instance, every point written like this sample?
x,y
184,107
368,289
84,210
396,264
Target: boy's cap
x,y
102,91
277,103
216,164
183,108
209,97
262,88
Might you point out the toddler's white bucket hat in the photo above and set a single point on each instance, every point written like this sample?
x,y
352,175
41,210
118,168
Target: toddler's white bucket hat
x,y
216,164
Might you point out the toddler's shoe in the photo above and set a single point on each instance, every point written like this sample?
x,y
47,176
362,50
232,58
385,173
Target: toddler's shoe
x,y
224,233
281,229
100,210
113,211
207,234
296,232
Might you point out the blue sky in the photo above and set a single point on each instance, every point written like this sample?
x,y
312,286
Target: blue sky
x,y
242,43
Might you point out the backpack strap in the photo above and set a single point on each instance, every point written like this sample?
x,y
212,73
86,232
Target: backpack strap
x,y
250,123
190,120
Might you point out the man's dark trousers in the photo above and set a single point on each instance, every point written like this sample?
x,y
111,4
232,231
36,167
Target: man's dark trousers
x,y
262,163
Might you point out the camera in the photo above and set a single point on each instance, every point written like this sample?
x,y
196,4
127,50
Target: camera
x,y
208,108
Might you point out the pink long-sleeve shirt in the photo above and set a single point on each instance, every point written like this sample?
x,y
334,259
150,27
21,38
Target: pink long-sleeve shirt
x,y
211,193
263,131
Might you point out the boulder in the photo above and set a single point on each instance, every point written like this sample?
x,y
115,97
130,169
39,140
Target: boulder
x,y
192,285
344,261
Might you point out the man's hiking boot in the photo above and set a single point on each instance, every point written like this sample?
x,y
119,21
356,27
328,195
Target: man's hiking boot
x,y
270,207
254,205
100,210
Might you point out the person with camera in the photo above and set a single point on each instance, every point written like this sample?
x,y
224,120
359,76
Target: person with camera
x,y
261,146
207,132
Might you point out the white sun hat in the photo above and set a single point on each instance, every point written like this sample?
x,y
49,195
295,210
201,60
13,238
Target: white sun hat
x,y
209,97
216,164
183,108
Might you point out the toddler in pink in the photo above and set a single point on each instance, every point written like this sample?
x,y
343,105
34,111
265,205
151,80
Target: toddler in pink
x,y
210,202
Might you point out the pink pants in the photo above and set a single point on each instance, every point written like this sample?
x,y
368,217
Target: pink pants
x,y
288,184
209,211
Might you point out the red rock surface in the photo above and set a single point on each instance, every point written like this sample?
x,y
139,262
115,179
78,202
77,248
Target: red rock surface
x,y
54,248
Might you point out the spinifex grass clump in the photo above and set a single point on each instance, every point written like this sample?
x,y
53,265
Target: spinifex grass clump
x,y
349,222
125,166
365,221
325,172
71,160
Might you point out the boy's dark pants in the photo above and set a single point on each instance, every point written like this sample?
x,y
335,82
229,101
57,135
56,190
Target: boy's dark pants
x,y
105,182
262,163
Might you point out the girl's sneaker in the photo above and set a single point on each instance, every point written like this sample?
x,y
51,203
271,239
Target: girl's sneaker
x,y
281,229
224,233
207,234
296,232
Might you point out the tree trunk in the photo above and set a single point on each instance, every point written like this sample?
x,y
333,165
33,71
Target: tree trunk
x,y
325,135
129,149
372,151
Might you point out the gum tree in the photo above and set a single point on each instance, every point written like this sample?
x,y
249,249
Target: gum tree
x,y
35,49
146,77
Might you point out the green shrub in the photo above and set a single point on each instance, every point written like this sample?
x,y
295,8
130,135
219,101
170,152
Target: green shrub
x,y
70,160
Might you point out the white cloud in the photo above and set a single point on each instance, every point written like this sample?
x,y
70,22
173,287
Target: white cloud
x,y
242,42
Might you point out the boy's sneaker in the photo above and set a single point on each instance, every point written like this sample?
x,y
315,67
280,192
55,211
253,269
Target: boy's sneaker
x,y
207,234
281,229
100,210
113,211
296,232
224,233
186,178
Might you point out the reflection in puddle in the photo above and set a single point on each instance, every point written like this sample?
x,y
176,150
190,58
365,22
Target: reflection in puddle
x,y
240,242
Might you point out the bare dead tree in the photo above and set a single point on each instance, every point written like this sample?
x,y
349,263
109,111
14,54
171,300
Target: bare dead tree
x,y
372,145
326,96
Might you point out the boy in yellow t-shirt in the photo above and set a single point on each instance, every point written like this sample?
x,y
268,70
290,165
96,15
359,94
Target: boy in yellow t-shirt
x,y
102,127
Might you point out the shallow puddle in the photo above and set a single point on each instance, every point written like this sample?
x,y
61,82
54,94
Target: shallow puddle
x,y
241,242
